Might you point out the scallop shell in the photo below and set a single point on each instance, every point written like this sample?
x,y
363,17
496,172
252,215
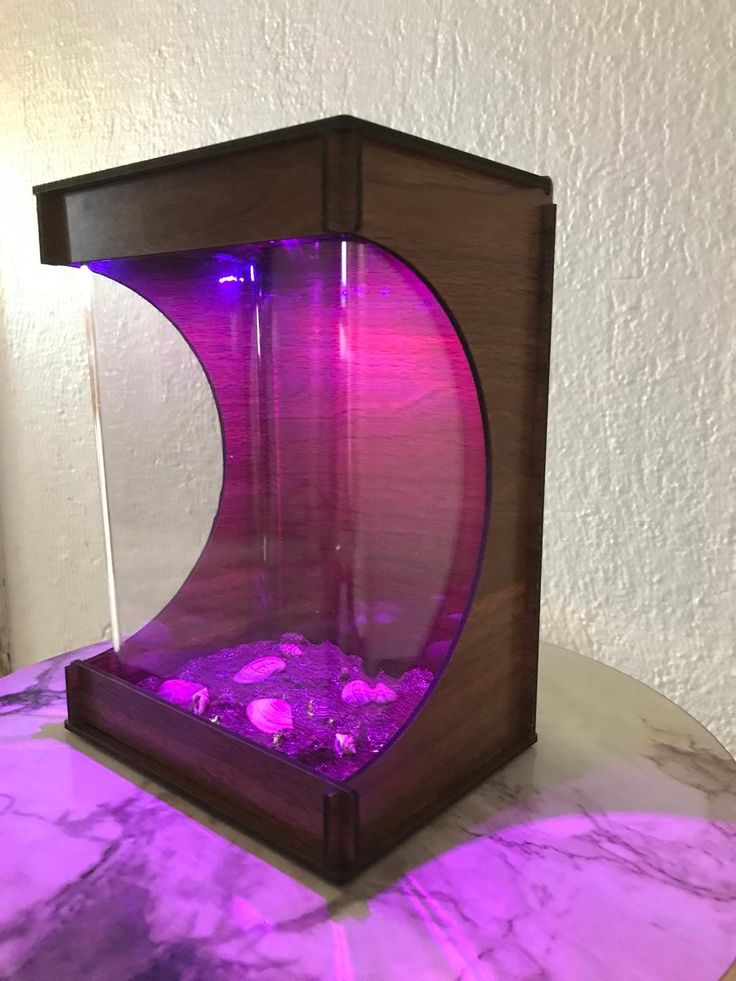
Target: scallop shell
x,y
259,670
357,693
344,744
185,694
270,714
360,693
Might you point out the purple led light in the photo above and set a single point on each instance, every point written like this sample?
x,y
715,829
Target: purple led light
x,y
252,273
231,278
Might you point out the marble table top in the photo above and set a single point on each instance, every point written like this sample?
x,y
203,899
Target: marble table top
x,y
607,851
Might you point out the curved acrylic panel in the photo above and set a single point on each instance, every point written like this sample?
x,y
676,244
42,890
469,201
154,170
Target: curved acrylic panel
x,y
163,452
341,561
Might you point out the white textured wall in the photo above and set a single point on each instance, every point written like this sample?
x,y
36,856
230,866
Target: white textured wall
x,y
628,105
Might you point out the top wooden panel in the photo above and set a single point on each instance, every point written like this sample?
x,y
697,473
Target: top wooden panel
x,y
299,181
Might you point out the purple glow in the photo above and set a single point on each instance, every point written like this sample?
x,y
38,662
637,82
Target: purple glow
x,y
341,952
353,496
610,871
314,680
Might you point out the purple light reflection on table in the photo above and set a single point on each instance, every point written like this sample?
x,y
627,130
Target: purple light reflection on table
x,y
607,852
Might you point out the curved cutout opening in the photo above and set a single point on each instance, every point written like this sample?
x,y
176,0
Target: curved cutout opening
x,y
342,559
163,448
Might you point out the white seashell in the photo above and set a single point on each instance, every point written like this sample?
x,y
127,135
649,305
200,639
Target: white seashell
x,y
290,650
357,693
270,714
344,744
360,693
382,694
200,701
259,670
185,694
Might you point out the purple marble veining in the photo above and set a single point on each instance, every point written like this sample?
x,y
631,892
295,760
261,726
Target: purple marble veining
x,y
608,851
316,681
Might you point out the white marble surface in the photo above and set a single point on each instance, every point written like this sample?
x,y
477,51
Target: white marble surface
x,y
608,851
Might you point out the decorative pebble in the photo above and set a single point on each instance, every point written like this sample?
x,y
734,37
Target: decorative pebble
x,y
344,744
270,714
259,670
200,701
290,650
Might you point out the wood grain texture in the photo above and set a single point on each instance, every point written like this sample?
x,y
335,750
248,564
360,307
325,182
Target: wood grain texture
x,y
286,805
301,180
482,237
262,193
489,271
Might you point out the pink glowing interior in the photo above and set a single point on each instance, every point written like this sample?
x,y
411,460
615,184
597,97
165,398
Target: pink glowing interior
x,y
342,558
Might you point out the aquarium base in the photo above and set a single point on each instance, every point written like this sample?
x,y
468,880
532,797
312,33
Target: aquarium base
x,y
306,816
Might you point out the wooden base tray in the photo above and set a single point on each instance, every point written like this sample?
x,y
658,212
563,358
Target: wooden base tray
x,y
312,819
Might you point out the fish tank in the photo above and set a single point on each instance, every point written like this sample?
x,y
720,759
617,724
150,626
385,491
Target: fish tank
x,y
319,447
339,545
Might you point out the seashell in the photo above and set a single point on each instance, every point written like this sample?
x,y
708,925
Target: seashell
x,y
360,693
344,744
382,694
200,701
357,693
270,714
290,650
259,670
185,694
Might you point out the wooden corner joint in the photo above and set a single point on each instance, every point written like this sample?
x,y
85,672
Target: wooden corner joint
x,y
341,181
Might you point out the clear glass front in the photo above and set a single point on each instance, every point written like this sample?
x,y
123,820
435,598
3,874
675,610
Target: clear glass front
x,y
294,484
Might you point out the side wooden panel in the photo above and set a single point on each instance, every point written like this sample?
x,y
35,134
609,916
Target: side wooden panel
x,y
264,793
481,243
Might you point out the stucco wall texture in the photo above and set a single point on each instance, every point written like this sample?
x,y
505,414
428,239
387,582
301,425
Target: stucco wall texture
x,y
628,105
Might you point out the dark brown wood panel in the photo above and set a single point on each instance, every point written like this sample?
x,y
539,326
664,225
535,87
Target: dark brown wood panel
x,y
277,800
342,181
488,271
273,192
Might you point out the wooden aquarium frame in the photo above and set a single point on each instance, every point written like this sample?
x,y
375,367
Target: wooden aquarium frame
x,y
482,235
